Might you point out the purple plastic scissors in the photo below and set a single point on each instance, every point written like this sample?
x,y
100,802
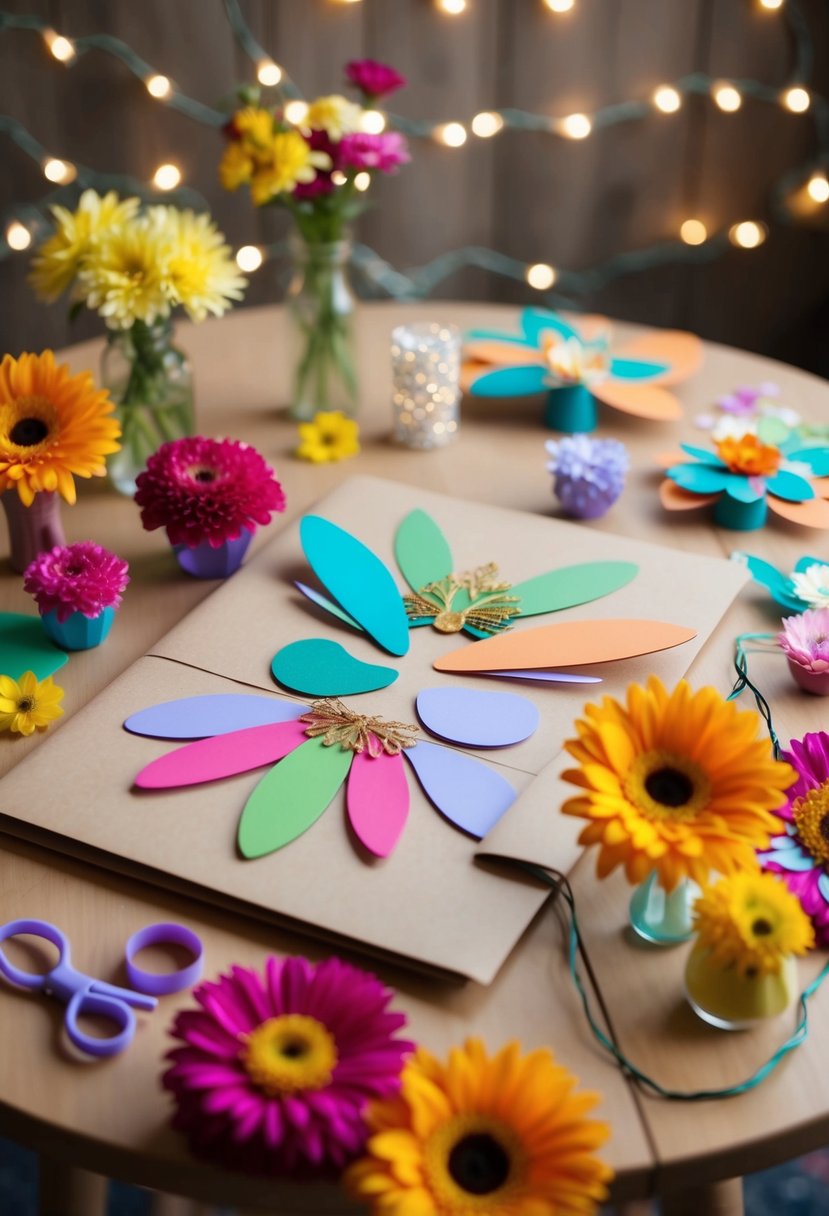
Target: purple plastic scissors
x,y
80,993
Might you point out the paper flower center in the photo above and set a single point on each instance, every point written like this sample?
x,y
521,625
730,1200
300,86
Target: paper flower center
x,y
289,1053
471,1158
666,786
749,456
336,724
488,609
811,817
571,361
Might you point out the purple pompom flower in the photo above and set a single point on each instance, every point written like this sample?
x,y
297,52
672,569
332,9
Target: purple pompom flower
x,y
83,577
373,79
589,473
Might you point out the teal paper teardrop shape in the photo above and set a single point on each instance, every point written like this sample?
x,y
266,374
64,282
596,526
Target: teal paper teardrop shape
x,y
317,667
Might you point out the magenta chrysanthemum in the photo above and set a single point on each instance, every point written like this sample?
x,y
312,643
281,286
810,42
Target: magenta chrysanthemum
x,y
83,577
207,490
805,639
382,152
373,79
800,854
276,1069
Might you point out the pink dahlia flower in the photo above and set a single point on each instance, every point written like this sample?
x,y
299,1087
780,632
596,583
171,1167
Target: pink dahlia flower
x,y
207,490
805,639
383,152
800,854
82,577
276,1069
373,79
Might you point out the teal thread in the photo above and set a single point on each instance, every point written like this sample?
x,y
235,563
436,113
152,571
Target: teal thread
x,y
742,681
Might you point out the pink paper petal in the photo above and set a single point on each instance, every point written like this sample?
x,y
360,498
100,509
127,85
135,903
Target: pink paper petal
x,y
377,797
223,756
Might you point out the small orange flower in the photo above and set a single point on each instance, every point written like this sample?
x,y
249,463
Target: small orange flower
x,y
749,456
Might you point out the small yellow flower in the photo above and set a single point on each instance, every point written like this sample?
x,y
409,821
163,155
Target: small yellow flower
x,y
236,166
254,126
335,115
27,704
59,258
328,437
752,921
291,161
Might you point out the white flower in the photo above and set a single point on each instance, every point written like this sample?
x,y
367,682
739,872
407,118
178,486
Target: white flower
x,y
812,585
730,427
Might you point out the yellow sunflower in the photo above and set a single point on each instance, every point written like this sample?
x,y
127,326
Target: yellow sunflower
x,y
674,782
203,275
27,705
502,1135
126,275
752,921
52,425
328,437
59,258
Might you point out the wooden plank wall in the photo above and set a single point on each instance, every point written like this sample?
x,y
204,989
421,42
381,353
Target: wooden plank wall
x,y
530,195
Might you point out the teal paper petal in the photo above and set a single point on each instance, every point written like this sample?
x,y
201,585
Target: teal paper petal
x,y
703,455
816,458
358,580
25,647
636,369
511,382
790,487
778,586
536,321
422,551
572,585
805,562
698,478
498,335
316,667
740,488
772,430
291,797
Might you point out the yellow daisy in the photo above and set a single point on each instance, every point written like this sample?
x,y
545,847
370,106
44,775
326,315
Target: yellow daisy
x,y
674,782
752,921
53,425
335,115
203,275
126,276
27,705
59,258
502,1136
291,161
330,436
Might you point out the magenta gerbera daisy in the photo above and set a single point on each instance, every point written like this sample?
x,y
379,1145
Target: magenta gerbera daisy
x,y
801,853
207,490
83,577
276,1069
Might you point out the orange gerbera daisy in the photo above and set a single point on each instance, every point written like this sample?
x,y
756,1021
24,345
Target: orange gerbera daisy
x,y
502,1136
53,425
674,782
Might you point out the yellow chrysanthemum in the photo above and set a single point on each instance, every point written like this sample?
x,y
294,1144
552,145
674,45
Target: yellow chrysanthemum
x,y
203,276
126,275
292,161
501,1136
752,921
674,782
255,126
335,115
27,705
59,258
330,436
236,166
52,425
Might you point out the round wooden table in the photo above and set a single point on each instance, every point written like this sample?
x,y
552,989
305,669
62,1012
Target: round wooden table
x,y
112,1117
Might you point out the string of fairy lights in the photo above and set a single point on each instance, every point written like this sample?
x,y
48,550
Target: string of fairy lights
x,y
802,190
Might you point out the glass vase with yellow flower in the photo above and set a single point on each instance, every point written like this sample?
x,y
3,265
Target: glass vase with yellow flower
x,y
742,967
316,161
674,786
134,267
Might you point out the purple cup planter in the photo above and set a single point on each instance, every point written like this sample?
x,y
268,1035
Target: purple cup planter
x,y
78,632
203,561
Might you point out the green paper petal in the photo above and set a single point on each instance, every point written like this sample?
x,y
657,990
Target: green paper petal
x,y
572,585
317,667
772,430
422,550
24,646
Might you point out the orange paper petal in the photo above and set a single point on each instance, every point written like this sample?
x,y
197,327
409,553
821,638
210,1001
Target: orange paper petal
x,y
674,498
683,352
641,399
504,354
664,460
566,644
811,514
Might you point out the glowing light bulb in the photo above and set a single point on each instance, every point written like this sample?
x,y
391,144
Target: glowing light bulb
x,y
487,124
268,73
771,5
338,177
559,6
59,171
372,122
797,100
453,7
452,134
747,235
576,126
667,99
62,49
295,112
249,258
540,276
362,181
158,87
727,98
18,236
167,176
818,188
693,232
